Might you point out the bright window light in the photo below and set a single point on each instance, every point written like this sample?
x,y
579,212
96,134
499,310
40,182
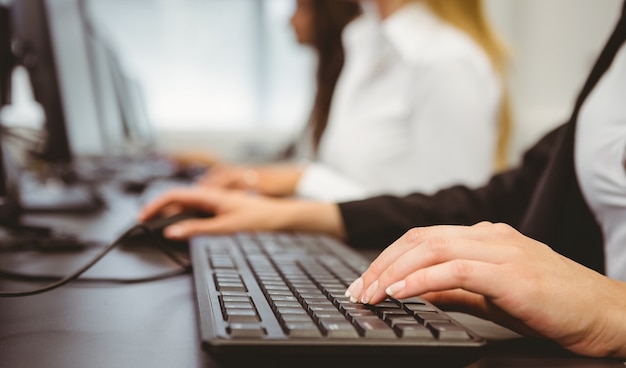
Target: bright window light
x,y
212,64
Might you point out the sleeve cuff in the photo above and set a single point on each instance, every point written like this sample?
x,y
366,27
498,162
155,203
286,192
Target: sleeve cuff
x,y
322,183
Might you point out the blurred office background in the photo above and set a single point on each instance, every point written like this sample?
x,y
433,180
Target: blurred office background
x,y
229,77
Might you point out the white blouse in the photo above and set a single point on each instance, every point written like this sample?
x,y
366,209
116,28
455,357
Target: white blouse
x,y
415,109
600,158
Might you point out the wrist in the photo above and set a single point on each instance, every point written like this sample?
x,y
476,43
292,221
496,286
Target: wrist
x,y
606,336
294,179
616,321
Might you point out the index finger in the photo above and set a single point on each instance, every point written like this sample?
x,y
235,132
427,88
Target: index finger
x,y
417,236
187,198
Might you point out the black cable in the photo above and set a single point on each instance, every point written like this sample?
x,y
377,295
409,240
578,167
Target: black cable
x,y
186,267
10,275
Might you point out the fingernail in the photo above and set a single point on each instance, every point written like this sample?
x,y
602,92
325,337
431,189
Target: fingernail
x,y
369,292
395,287
354,290
174,232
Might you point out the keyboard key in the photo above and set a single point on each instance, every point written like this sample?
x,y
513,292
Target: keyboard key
x,y
285,298
250,330
387,304
426,317
276,293
406,320
418,307
413,330
352,307
392,313
324,308
295,318
228,286
374,328
234,298
277,305
338,329
238,305
291,310
361,313
242,315
303,329
329,315
448,331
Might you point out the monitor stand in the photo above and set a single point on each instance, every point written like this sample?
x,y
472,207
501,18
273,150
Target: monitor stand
x,y
51,195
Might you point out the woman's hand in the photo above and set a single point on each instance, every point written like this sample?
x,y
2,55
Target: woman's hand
x,y
195,158
236,211
495,272
278,181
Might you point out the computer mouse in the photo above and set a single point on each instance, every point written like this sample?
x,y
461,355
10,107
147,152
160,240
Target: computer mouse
x,y
134,186
152,230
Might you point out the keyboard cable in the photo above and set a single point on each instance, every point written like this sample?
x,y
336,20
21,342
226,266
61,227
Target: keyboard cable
x,y
75,276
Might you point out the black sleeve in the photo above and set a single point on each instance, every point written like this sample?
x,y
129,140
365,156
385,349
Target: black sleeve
x,y
376,222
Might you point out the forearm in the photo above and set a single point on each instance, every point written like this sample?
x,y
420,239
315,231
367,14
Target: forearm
x,y
376,222
311,216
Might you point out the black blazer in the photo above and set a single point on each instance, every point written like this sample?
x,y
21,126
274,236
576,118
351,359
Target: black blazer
x,y
541,198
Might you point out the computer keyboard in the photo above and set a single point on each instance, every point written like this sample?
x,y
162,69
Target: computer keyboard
x,y
55,196
281,295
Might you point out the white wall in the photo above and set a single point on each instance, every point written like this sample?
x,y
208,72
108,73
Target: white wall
x,y
554,44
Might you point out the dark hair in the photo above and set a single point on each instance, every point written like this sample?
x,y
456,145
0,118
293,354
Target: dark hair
x,y
329,19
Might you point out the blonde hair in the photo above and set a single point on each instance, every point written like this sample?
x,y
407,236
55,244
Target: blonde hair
x,y
469,16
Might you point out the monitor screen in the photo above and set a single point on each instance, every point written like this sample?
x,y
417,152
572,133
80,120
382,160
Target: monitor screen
x,y
124,122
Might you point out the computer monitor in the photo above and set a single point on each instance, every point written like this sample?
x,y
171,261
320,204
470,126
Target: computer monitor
x,y
9,190
125,123
93,107
138,130
52,43
9,201
48,40
6,56
34,50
